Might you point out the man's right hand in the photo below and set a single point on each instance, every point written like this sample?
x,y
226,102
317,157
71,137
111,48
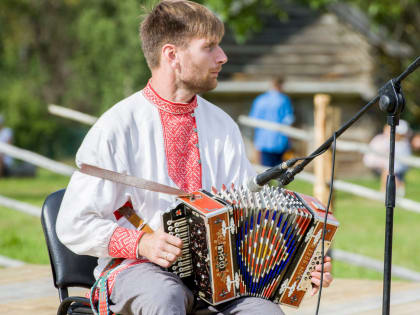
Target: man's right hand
x,y
160,248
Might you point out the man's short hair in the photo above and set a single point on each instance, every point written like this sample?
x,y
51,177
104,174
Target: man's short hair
x,y
278,81
176,22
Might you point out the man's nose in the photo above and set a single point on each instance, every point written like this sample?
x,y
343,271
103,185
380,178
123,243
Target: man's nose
x,y
221,56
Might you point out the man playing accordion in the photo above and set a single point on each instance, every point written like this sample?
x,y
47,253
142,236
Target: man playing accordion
x,y
166,133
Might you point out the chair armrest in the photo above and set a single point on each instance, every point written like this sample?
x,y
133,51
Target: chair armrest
x,y
81,302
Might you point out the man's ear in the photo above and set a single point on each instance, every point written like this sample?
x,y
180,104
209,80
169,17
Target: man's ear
x,y
170,56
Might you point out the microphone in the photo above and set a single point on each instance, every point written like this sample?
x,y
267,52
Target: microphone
x,y
255,183
288,176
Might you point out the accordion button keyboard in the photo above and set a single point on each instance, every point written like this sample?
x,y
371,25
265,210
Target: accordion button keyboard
x,y
183,235
268,226
181,229
187,268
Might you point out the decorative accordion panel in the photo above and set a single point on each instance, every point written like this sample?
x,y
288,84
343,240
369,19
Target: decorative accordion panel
x,y
240,243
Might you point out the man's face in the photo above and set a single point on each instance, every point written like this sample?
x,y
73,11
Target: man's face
x,y
199,65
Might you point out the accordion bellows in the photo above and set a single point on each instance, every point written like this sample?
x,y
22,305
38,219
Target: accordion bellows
x,y
241,243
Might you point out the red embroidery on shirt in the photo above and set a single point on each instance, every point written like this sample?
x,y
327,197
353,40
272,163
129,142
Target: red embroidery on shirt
x,y
112,277
123,243
168,106
117,214
181,140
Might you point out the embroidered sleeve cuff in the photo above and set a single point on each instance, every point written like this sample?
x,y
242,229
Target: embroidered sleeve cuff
x,y
123,243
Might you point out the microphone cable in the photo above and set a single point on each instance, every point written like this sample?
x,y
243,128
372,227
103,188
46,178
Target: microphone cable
x,y
292,161
310,157
325,222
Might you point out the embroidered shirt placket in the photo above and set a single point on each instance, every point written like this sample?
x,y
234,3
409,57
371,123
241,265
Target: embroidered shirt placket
x,y
180,139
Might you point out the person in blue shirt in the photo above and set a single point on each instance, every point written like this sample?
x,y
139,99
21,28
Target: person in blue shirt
x,y
273,106
6,136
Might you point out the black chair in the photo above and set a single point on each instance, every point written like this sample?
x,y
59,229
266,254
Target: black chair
x,y
68,268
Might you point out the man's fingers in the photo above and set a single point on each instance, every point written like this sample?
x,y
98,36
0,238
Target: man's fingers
x,y
173,240
327,267
173,250
162,262
327,264
164,259
316,275
316,278
169,257
155,245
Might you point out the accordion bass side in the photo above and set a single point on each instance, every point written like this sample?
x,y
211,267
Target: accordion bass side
x,y
238,243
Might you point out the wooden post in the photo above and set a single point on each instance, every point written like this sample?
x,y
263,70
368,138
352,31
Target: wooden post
x,y
323,125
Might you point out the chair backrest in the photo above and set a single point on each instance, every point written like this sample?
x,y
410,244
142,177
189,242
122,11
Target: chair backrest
x,y
68,268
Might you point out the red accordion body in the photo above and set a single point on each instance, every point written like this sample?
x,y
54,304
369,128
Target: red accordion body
x,y
238,243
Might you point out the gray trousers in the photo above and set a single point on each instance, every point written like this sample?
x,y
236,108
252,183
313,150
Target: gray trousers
x,y
147,289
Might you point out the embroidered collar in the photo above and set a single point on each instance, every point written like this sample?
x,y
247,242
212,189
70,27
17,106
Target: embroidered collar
x,y
168,106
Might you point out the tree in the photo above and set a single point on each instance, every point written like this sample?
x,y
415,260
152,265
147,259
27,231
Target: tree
x,y
86,55
81,54
400,19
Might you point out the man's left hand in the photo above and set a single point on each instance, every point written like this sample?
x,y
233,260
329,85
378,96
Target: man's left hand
x,y
316,275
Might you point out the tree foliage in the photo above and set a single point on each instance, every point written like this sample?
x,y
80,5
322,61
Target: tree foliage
x,y
245,17
86,55
398,19
80,54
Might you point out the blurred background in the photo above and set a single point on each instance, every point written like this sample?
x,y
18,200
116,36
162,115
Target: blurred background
x,y
86,56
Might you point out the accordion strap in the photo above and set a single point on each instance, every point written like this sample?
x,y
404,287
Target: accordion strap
x,y
141,183
134,219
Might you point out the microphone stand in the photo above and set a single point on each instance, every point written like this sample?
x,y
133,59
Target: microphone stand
x,y
391,101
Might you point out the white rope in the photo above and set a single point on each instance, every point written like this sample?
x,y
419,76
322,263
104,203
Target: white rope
x,y
71,114
20,206
36,159
374,264
342,145
289,131
9,262
292,132
404,203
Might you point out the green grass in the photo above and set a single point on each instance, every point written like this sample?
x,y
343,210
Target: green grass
x,y
32,190
362,223
21,235
343,270
22,238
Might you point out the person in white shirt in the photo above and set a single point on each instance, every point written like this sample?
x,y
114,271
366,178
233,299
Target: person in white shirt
x,y
377,159
166,133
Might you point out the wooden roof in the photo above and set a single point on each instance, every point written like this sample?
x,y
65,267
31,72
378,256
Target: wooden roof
x,y
315,52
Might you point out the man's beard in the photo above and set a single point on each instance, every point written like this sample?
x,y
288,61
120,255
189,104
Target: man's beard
x,y
199,85
196,83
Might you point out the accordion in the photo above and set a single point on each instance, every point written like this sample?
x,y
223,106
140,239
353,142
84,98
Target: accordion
x,y
241,243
